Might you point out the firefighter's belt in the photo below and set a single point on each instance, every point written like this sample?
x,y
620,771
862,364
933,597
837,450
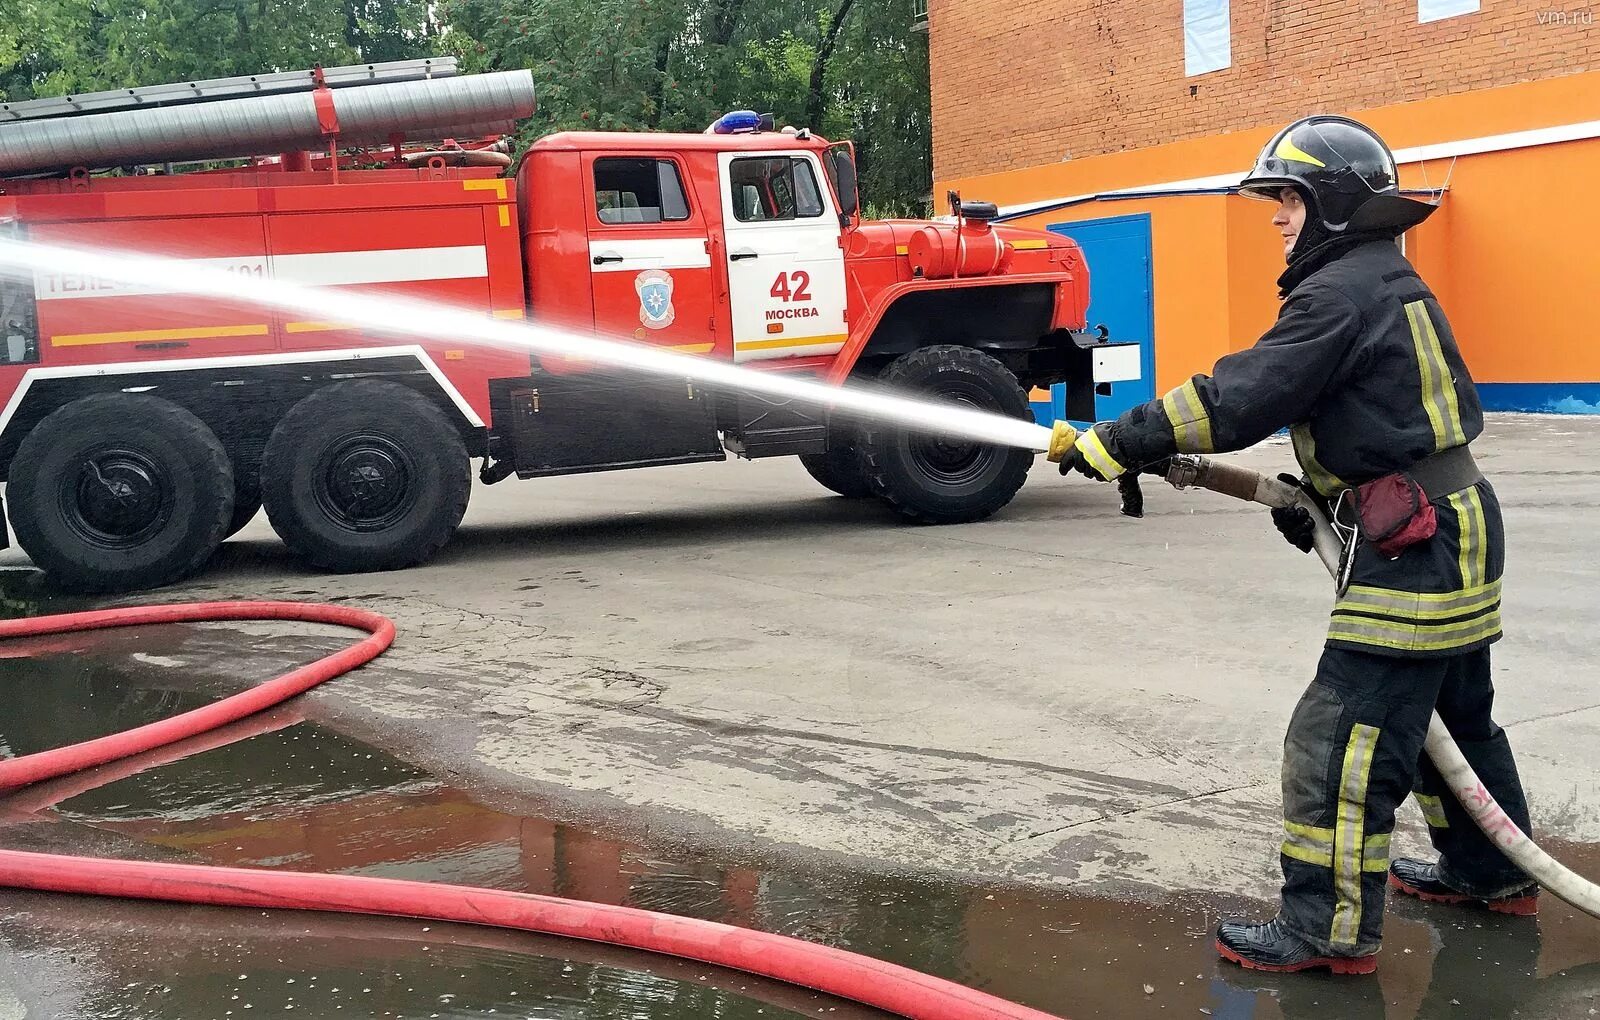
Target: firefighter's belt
x,y
1446,472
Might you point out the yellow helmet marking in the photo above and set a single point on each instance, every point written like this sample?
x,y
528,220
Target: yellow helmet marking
x,y
1288,150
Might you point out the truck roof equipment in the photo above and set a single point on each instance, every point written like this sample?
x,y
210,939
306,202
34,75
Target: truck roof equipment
x,y
367,104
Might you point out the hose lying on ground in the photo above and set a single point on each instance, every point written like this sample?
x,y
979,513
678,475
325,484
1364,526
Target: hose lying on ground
x,y
847,975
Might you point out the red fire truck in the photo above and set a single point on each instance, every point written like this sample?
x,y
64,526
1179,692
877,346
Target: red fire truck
x,y
141,427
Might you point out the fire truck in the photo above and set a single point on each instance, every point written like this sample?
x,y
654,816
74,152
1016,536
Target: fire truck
x,y
141,427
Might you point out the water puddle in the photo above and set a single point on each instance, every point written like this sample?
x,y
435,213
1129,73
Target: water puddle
x,y
287,793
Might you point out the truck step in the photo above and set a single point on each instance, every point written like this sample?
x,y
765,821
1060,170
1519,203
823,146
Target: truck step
x,y
782,442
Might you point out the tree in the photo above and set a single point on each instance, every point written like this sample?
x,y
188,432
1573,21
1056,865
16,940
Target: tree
x,y
846,68
880,98
56,47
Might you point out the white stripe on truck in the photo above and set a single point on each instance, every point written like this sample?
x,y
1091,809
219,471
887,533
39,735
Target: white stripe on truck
x,y
317,269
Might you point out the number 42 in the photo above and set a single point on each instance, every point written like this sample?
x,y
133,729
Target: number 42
x,y
792,286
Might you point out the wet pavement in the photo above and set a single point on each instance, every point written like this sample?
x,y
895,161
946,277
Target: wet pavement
x,y
296,794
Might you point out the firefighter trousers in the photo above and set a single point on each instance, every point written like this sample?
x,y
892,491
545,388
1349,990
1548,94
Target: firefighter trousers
x,y
1353,752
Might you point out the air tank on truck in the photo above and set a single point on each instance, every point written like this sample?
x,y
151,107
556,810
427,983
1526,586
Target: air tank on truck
x,y
142,426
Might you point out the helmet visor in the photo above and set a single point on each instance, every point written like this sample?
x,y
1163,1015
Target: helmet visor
x,y
1266,189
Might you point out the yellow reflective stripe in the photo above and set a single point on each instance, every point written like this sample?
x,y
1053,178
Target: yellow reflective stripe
x,y
1095,452
1348,835
496,185
1288,150
1464,559
1191,426
1472,535
1412,606
1397,627
1431,598
1359,635
1320,858
315,326
1455,433
1463,608
1438,386
1413,637
809,341
130,336
1432,810
1305,451
1308,831
1430,386
1309,843
1375,856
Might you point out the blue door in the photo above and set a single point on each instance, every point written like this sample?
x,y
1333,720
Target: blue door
x,y
1118,252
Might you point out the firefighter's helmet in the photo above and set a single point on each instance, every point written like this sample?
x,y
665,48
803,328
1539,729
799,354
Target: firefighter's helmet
x,y
1344,171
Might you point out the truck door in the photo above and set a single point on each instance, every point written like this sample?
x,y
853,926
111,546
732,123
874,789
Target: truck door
x,y
649,264
785,266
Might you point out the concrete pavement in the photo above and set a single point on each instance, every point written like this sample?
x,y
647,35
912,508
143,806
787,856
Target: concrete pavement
x,y
1059,695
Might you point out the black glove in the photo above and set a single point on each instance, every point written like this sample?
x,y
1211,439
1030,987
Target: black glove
x,y
1101,437
1294,522
1073,461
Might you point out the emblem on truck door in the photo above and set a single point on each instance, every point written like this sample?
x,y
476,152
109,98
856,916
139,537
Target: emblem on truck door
x,y
655,298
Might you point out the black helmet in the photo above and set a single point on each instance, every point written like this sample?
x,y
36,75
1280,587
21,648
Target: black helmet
x,y
1345,172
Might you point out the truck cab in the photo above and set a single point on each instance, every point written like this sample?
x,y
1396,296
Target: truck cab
x,y
750,248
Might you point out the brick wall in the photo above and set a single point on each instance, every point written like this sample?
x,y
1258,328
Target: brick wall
x,y
1027,82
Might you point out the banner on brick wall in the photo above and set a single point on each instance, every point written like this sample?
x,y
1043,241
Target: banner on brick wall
x,y
1206,27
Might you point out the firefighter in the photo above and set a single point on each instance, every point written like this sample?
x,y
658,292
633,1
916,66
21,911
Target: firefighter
x,y
1362,368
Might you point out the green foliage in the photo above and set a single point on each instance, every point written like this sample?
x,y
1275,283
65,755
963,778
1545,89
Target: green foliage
x,y
847,68
54,47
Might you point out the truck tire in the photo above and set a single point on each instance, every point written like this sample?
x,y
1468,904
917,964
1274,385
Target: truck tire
x,y
246,504
365,475
840,469
120,491
941,479
246,486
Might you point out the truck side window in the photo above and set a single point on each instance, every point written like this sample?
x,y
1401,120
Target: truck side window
x,y
774,188
638,190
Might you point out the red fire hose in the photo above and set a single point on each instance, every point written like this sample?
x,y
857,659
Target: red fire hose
x,y
874,983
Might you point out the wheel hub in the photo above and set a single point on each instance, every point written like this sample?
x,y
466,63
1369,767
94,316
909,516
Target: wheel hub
x,y
366,482
119,498
949,460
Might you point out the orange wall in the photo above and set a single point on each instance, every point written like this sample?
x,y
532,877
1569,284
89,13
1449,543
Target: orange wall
x,y
1510,251
1523,263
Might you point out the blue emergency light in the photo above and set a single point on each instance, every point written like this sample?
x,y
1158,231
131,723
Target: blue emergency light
x,y
736,122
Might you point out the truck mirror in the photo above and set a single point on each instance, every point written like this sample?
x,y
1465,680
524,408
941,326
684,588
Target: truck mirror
x,y
844,182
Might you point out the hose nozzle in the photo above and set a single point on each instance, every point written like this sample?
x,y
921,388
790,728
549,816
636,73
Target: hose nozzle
x,y
1062,438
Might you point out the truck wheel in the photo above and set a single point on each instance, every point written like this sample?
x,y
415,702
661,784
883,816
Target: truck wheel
x,y
365,475
945,479
840,469
120,491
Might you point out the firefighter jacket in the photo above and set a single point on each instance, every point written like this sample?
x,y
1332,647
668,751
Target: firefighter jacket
x,y
1361,367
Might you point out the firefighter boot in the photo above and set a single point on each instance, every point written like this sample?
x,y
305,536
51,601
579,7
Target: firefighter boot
x,y
1273,948
1421,879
